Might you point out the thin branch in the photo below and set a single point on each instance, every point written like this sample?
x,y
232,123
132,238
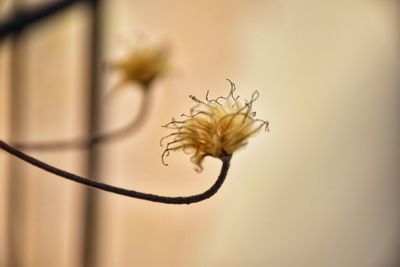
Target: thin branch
x,y
122,191
24,19
95,139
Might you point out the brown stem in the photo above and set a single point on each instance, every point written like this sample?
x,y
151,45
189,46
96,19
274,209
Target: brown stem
x,y
122,191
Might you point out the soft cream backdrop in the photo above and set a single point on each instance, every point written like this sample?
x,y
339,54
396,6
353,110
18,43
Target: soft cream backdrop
x,y
321,189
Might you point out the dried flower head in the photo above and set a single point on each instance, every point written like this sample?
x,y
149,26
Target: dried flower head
x,y
142,66
216,127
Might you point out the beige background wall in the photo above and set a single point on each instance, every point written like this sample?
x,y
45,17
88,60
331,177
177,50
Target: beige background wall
x,y
320,189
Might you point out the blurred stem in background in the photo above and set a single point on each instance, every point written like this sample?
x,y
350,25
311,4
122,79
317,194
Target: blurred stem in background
x,y
97,138
22,18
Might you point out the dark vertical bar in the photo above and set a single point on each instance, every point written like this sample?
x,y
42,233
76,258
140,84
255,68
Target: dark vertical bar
x,y
91,209
16,185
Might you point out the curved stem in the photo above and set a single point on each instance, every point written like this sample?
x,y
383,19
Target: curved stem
x,y
96,138
121,191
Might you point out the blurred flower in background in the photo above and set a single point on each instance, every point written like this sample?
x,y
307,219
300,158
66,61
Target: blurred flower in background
x,y
142,65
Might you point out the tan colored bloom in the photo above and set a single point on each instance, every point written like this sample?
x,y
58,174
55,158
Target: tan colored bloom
x,y
216,127
142,65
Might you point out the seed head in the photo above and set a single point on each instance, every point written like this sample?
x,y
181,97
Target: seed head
x,y
215,127
142,65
